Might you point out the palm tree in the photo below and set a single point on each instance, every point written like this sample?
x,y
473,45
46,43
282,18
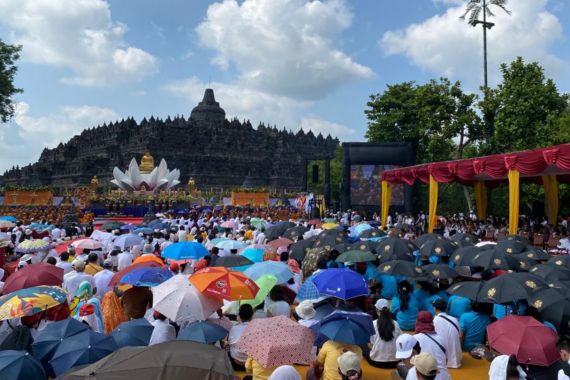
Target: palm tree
x,y
474,9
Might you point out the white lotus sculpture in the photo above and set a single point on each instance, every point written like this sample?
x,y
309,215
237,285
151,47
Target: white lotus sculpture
x,y
160,178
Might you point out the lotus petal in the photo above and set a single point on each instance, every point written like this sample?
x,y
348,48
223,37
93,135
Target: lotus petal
x,y
162,169
152,178
134,174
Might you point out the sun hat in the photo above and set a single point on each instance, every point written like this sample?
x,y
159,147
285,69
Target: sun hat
x,y
306,310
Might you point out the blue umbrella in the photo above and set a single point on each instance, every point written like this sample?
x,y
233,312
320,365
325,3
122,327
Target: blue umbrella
x,y
341,283
277,269
133,333
128,227
147,276
48,340
217,240
230,244
128,240
360,228
9,218
203,332
346,327
144,230
254,254
157,224
20,365
84,348
308,290
187,250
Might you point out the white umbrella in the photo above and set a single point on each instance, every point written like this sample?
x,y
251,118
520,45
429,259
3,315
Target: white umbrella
x,y
128,240
178,300
102,236
87,244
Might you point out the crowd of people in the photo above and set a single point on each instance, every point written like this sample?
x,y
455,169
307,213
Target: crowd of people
x,y
419,327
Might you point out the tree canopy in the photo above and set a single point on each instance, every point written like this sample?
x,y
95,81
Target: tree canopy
x,y
9,54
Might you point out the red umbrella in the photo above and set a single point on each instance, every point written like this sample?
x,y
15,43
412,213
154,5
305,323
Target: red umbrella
x,y
115,280
529,340
281,242
34,275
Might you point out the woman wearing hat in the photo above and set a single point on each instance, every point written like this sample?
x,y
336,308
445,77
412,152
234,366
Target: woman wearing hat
x,y
383,342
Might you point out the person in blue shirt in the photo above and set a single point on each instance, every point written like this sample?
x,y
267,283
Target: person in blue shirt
x,y
426,293
457,306
405,306
473,325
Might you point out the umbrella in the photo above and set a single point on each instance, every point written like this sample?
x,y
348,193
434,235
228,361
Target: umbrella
x,y
87,244
360,228
524,263
230,244
34,275
554,306
20,365
232,261
293,233
550,273
329,226
228,224
265,283
7,224
510,246
9,218
221,282
467,289
252,254
560,261
136,332
157,224
369,246
277,341
394,248
440,271
187,250
80,349
215,241
30,301
347,327
341,283
202,332
278,269
493,259
128,227
355,256
281,242
535,253
328,241
516,238
371,233
298,250
150,258
464,240
308,290
438,247
31,246
178,300
258,223
424,238
526,338
101,236
464,256
116,279
401,268
128,240
146,276
112,225
48,340
278,229
511,287
143,230
175,360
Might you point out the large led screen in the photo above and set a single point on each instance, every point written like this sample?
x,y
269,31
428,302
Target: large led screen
x,y
365,186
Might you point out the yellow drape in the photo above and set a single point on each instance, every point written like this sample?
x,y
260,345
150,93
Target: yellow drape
x,y
386,199
433,192
480,199
550,184
514,199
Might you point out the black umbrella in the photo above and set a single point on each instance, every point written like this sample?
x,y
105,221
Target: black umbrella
x,y
437,247
334,232
371,233
401,268
560,261
366,246
440,271
232,261
493,259
277,230
554,306
514,238
343,247
427,237
511,287
464,256
328,242
293,233
535,253
464,240
394,248
467,289
510,246
298,250
551,273
523,264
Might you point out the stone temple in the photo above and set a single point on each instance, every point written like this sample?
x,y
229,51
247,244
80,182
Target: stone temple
x,y
216,152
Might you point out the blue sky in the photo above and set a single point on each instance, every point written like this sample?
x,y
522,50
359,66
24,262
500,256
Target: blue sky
x,y
292,63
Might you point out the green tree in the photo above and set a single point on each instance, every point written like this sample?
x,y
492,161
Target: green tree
x,y
9,54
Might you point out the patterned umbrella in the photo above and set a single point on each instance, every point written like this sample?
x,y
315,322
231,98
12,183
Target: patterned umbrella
x,y
308,290
30,246
221,282
281,242
355,256
440,271
34,275
277,341
401,268
438,247
464,240
228,224
87,244
30,301
294,232
511,287
394,248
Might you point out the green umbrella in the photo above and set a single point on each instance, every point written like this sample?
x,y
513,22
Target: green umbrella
x,y
112,225
355,256
265,284
258,223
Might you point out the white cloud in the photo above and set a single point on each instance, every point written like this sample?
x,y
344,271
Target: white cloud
x,y
26,136
446,45
283,47
79,35
325,127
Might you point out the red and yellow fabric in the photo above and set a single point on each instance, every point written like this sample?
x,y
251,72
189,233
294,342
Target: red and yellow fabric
x,y
514,199
224,283
386,199
433,194
550,184
480,199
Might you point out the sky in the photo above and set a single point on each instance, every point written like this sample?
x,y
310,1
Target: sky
x,y
290,63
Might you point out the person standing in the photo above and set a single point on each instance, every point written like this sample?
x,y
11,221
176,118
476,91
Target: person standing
x,y
447,327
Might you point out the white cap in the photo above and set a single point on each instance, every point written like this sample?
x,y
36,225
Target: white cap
x,y
404,346
306,310
381,304
348,361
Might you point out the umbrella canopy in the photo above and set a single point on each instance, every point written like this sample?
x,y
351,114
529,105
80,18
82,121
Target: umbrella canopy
x,y
535,253
128,240
293,233
281,242
277,341
366,246
298,250
467,289
371,233
258,223
232,261
221,282
143,230
341,283
493,259
356,256
526,338
20,365
228,224
31,246
7,224
308,290
440,271
146,276
202,332
510,246
328,241
394,248
329,226
437,247
360,228
87,244
128,227
34,275
265,283
278,229
230,244
136,332
9,218
215,241
30,301
464,240
151,258
253,254
510,287
116,279
186,250
178,300
560,261
464,256
554,306
112,225
280,270
80,349
401,268
347,327
551,273
176,360
423,238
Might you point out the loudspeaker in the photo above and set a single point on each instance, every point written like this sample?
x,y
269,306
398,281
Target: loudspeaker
x,y
315,173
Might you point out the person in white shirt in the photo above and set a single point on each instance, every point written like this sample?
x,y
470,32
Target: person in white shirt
x,y
124,259
406,347
432,343
163,330
63,263
447,327
259,238
73,279
102,278
237,357
277,305
56,233
182,233
383,342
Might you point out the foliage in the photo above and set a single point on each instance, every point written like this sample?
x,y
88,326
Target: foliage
x,y
11,187
336,176
475,7
9,54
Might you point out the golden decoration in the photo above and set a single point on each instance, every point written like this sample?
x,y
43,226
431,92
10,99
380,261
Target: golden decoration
x,y
522,264
509,250
147,163
435,273
491,292
530,255
387,248
363,247
437,250
537,304
418,270
386,268
497,261
558,262
530,284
